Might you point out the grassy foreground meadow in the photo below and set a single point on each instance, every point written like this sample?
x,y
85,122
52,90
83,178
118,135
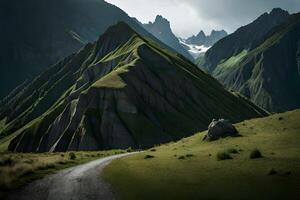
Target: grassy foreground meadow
x,y
18,169
264,163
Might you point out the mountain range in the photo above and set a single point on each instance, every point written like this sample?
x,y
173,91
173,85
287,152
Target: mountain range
x,y
122,91
199,44
206,40
261,61
37,34
161,29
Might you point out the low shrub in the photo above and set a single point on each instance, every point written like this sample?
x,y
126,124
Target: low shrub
x,y
129,149
255,154
72,156
181,157
223,156
189,155
232,150
148,157
272,172
6,161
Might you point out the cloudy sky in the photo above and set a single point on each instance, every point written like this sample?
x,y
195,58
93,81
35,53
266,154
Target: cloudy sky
x,y
188,17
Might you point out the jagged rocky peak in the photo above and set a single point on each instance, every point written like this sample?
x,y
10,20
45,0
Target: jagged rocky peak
x,y
279,12
160,25
161,20
221,33
206,40
161,29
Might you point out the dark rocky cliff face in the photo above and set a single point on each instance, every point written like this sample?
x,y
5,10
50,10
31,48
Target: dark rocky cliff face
x,y
245,38
121,91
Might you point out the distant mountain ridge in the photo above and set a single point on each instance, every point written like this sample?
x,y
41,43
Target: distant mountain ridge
x,y
161,29
264,67
206,40
246,37
122,91
199,44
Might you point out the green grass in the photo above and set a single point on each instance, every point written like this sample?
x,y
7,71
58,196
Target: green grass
x,y
18,169
202,176
231,62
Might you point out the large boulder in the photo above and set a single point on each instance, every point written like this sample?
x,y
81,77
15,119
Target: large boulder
x,y
219,129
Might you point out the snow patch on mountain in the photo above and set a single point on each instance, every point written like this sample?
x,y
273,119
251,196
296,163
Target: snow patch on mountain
x,y
194,50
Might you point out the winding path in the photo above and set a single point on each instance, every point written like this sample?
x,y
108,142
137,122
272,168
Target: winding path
x,y
81,182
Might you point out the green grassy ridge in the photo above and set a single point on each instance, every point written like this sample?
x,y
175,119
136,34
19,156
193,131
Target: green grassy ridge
x,y
255,73
246,37
107,66
189,169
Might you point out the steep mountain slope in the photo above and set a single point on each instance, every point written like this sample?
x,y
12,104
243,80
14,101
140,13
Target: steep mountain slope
x,y
270,73
121,91
245,38
38,33
161,29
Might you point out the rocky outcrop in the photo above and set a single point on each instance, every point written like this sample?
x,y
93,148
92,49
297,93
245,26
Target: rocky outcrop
x,y
161,29
121,91
219,129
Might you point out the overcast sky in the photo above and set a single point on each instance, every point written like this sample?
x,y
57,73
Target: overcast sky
x,y
188,17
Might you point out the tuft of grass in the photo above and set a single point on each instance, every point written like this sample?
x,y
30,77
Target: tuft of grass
x,y
272,172
152,149
255,154
6,161
129,149
148,157
189,155
72,156
181,157
232,151
223,155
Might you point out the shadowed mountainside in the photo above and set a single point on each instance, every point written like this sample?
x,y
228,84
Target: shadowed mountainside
x,y
121,91
37,33
266,70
